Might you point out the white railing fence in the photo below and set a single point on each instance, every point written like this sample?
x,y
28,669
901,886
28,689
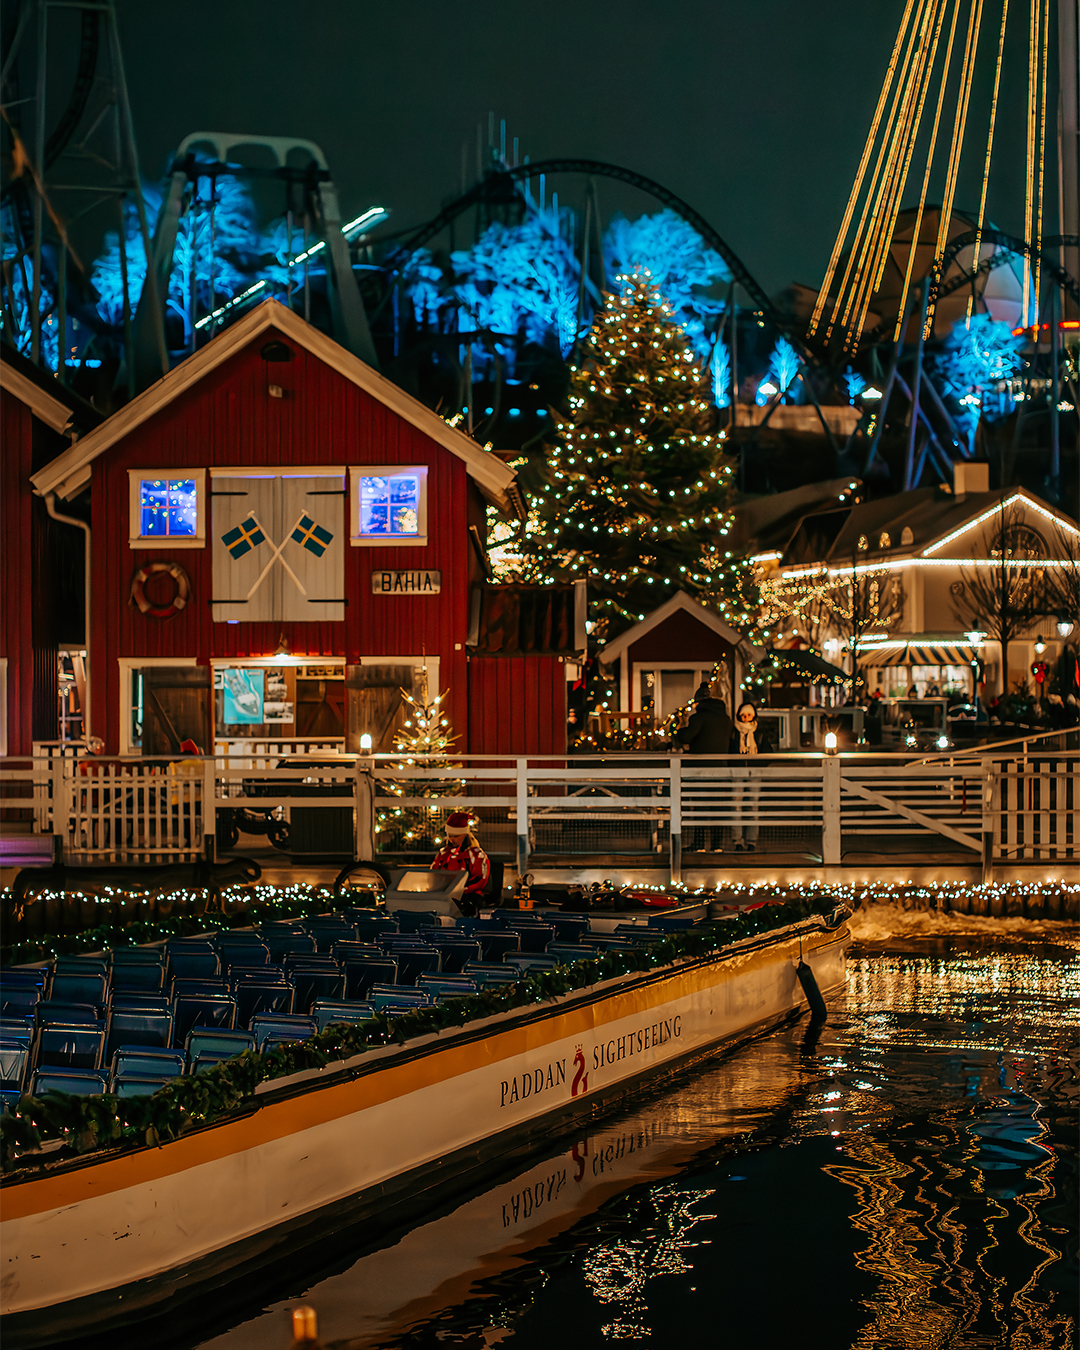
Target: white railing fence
x,y
1020,804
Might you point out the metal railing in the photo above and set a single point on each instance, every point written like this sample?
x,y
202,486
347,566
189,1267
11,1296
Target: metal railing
x,y
1012,804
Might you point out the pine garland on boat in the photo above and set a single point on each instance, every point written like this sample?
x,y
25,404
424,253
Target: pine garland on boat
x,y
88,1124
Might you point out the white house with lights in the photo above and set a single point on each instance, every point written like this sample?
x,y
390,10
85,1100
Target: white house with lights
x,y
930,544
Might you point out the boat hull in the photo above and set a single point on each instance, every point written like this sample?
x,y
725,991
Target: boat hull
x,y
112,1238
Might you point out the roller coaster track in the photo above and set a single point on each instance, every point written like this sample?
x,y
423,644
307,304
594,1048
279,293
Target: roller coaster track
x,y
501,185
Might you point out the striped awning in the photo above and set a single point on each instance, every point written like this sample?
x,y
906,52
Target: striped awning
x,y
918,654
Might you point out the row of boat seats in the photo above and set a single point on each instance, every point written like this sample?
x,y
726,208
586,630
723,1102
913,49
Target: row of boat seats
x,y
63,1026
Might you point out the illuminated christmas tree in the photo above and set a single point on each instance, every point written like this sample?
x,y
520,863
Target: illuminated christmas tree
x,y
636,494
426,731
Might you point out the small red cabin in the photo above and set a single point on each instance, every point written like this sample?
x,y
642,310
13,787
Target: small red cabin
x,y
283,540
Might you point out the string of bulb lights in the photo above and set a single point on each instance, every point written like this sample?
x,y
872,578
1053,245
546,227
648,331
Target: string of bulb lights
x,y
938,42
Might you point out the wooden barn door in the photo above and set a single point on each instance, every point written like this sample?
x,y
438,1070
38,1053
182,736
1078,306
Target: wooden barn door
x,y
176,707
375,705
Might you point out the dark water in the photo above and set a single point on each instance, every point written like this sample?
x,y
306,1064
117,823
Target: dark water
x,y
906,1178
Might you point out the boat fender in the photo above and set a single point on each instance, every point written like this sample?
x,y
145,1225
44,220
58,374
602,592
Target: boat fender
x,y
816,1004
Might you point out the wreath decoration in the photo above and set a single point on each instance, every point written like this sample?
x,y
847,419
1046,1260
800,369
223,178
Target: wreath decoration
x,y
181,589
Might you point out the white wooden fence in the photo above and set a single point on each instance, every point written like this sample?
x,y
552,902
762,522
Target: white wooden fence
x,y
1017,803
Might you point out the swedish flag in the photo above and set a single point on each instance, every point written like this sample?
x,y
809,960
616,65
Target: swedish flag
x,y
313,537
246,536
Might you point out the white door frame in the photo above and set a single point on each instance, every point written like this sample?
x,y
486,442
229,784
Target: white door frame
x,y
127,665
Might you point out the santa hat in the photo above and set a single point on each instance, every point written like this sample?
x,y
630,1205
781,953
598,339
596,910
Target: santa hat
x,y
461,822
188,747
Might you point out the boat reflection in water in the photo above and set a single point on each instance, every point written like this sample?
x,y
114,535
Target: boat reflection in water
x,y
904,1177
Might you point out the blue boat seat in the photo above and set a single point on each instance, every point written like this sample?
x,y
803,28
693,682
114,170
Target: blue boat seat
x,y
282,1029
14,1059
10,1096
52,1010
141,1060
495,945
361,975
567,952
138,1085
355,951
150,1027
413,920
325,932
73,1082
16,1000
491,972
568,927
253,999
137,956
370,928
80,965
606,942
68,987
17,1029
281,945
534,937
201,1010
206,1059
456,950
129,1002
182,985
76,1046
194,962
207,1040
441,989
387,997
137,978
311,985
527,961
413,962
33,977
328,1011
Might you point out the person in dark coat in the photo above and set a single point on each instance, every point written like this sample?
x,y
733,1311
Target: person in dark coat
x,y
708,732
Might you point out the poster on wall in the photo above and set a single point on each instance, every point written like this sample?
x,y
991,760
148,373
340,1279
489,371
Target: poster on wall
x,y
277,707
243,696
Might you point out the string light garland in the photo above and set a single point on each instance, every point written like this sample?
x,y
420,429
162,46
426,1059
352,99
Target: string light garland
x,y
426,731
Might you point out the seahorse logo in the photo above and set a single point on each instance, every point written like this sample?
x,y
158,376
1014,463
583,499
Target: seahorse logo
x,y
580,1085
579,1153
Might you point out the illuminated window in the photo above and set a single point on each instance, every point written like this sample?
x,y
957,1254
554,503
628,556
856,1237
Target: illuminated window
x,y
167,512
907,536
389,504
885,541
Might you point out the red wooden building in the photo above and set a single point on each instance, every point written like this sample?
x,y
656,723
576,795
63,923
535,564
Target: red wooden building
x,y
282,540
41,558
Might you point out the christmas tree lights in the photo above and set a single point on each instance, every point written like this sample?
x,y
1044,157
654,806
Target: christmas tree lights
x,y
636,497
426,732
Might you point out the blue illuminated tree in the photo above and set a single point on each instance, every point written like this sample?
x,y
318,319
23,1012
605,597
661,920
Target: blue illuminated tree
x,y
853,383
239,254
678,261
784,366
636,494
975,357
721,375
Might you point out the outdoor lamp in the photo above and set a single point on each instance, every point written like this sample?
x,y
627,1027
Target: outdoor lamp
x,y
365,744
975,637
871,394
830,742
1064,627
1040,645
943,742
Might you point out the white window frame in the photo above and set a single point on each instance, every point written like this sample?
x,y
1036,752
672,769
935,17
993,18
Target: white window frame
x,y
165,541
358,540
705,669
127,665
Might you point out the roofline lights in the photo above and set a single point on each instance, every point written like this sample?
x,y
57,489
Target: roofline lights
x,y
230,304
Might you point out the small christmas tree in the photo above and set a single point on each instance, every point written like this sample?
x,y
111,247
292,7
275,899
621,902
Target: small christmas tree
x,y
636,493
426,731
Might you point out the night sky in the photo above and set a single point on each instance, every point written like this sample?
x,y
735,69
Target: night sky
x,y
754,111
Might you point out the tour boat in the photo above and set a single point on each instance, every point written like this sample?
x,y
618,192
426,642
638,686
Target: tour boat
x,y
98,1241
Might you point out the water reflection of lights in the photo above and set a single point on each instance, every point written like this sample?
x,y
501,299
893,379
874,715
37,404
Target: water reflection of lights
x,y
617,1272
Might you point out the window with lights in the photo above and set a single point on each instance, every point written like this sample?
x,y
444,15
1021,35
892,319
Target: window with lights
x,y
167,509
388,504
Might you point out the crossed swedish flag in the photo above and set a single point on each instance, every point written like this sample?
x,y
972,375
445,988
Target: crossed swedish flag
x,y
244,537
311,536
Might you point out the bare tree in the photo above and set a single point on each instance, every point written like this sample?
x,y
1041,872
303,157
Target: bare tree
x,y
1005,598
1063,581
871,600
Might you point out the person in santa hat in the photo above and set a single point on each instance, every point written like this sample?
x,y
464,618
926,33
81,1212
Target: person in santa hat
x,y
463,854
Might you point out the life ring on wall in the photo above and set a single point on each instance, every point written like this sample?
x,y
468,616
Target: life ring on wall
x,y
181,593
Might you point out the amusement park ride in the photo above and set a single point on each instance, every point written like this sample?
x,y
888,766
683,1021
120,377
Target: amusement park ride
x,y
905,268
